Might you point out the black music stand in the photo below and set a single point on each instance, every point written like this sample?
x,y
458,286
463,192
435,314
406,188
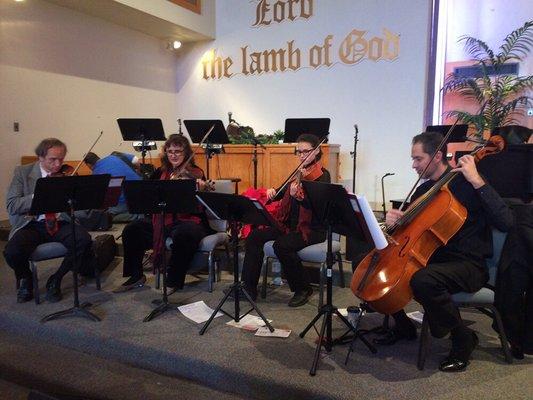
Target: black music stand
x,y
294,127
333,208
197,129
509,172
161,197
236,210
70,194
143,130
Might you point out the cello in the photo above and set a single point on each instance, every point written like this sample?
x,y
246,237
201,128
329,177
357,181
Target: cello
x,y
382,278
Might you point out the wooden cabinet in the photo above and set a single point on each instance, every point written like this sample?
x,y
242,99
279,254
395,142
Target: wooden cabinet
x,y
274,163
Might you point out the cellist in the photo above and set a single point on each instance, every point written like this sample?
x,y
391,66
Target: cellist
x,y
459,266
300,229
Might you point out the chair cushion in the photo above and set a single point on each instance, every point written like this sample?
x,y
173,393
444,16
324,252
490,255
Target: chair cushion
x,y
208,243
484,295
49,250
268,249
315,253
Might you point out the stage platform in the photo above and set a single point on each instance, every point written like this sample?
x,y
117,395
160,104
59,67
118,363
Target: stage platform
x,y
235,361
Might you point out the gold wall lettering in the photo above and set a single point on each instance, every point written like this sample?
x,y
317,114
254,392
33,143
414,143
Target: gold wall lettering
x,y
355,47
278,11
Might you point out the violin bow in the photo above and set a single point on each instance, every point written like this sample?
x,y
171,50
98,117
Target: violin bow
x,y
188,160
87,152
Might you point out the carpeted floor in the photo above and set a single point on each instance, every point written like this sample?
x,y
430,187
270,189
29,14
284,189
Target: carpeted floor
x,y
235,361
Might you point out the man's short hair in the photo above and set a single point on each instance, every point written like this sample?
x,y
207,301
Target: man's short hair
x,y
91,158
430,142
46,144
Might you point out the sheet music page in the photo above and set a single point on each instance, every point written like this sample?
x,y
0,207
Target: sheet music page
x,y
198,312
373,226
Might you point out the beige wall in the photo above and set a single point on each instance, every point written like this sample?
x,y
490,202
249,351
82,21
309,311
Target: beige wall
x,y
70,75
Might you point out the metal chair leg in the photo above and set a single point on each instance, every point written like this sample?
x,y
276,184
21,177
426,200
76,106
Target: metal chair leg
x,y
503,337
424,343
211,272
157,279
321,286
35,280
341,269
97,278
266,263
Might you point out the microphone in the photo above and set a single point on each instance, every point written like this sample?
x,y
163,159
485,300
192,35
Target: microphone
x,y
388,174
230,120
356,129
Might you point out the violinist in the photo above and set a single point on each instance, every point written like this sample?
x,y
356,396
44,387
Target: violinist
x,y
301,229
186,230
458,266
28,233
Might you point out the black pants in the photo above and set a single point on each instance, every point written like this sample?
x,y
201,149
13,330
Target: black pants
x,y
516,304
137,237
514,289
433,286
20,247
286,247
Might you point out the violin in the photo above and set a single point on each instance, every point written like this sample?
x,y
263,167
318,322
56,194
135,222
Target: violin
x,y
193,172
65,170
382,278
311,172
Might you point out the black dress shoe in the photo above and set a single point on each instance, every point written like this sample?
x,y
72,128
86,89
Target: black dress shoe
x,y
461,351
53,290
300,297
452,364
25,290
131,283
516,351
393,335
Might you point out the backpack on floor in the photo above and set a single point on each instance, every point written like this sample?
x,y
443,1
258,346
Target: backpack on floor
x,y
102,253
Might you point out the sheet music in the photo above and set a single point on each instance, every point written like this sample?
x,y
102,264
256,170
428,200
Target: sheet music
x,y
208,209
361,205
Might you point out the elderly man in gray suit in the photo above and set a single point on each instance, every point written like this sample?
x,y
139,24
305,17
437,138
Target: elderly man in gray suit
x,y
29,232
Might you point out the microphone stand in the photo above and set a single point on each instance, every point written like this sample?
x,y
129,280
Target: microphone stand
x,y
354,154
383,192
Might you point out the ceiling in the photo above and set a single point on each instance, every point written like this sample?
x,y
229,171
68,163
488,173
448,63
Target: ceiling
x,y
132,18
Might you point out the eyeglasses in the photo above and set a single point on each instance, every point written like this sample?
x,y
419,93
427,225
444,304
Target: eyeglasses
x,y
174,152
304,152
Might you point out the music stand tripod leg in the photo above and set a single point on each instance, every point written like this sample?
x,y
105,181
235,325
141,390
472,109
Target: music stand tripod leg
x,y
165,304
76,310
236,288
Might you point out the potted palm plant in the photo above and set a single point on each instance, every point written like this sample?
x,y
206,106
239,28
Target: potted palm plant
x,y
501,97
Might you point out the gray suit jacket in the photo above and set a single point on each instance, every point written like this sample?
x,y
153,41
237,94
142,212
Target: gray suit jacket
x,y
20,195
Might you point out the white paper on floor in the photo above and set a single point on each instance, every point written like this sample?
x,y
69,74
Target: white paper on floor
x,y
265,332
198,312
248,322
417,316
